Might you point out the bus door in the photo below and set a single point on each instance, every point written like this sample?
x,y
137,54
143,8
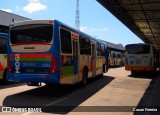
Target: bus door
x,y
93,60
75,59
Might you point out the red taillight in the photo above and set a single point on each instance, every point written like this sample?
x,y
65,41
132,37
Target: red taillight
x,y
8,63
53,66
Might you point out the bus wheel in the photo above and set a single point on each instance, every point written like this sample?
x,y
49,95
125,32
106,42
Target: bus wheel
x,y
5,79
50,85
133,72
104,68
85,76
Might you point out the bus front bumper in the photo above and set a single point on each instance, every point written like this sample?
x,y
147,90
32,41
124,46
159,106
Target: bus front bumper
x,y
46,78
139,68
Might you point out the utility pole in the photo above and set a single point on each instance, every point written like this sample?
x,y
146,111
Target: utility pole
x,y
77,20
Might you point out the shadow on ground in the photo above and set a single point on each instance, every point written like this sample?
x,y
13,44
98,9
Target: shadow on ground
x,y
60,99
10,84
115,67
144,75
151,98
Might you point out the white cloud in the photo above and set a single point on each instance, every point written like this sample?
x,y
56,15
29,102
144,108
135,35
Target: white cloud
x,y
17,8
88,29
34,6
7,10
99,29
83,28
33,0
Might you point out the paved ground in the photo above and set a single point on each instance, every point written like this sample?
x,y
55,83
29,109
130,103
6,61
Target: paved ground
x,y
123,93
118,90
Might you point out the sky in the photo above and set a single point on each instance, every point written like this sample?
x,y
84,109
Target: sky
x,y
95,20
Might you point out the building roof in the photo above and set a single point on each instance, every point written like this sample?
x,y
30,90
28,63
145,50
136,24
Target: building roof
x,y
6,18
114,46
142,17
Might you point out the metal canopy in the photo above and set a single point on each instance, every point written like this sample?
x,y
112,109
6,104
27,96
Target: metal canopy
x,y
142,17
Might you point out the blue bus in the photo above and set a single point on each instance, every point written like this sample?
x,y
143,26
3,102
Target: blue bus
x,y
3,56
51,52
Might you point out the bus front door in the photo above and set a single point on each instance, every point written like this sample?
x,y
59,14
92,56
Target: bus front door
x,y
75,60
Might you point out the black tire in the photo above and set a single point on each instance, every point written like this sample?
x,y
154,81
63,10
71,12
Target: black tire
x,y
85,77
5,78
100,75
104,70
133,72
52,85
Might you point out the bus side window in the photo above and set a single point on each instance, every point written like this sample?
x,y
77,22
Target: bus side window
x,y
114,55
98,53
85,46
3,49
66,46
119,55
3,40
3,45
102,50
81,42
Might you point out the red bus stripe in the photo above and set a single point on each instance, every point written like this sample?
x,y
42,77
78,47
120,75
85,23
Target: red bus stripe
x,y
32,55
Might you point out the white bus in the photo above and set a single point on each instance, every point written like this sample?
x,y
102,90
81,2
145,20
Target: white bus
x,y
140,57
115,58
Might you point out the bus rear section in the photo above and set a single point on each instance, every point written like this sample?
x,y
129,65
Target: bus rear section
x,y
3,56
32,55
139,57
115,58
53,53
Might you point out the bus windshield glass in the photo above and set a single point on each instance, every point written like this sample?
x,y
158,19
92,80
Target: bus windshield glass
x,y
138,49
35,33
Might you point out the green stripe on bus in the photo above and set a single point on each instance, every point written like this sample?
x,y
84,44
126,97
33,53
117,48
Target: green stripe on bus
x,y
67,71
5,56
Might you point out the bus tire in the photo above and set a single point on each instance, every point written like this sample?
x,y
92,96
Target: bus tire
x,y
133,72
51,85
5,78
104,68
114,63
85,77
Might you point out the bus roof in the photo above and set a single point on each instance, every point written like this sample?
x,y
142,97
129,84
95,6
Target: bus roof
x,y
60,23
82,33
19,23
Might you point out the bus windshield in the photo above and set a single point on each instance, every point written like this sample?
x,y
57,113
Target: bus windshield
x,y
35,33
138,49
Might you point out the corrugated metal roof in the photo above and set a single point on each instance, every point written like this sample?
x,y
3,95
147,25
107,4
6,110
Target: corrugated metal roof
x,y
142,17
